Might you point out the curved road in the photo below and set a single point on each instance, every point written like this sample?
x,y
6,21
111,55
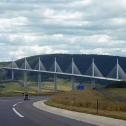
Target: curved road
x,y
17,112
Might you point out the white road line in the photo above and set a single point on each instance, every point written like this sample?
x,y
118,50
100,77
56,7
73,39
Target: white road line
x,y
20,102
17,113
14,105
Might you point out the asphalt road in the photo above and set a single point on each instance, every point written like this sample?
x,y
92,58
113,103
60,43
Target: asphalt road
x,y
17,112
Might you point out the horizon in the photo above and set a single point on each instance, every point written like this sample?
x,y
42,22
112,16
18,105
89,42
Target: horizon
x,y
12,59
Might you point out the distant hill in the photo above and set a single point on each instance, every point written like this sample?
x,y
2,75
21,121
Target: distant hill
x,y
104,63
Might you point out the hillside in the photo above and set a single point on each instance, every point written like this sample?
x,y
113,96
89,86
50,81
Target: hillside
x,y
104,63
121,84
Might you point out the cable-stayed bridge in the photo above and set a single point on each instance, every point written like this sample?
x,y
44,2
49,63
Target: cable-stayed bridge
x,y
116,74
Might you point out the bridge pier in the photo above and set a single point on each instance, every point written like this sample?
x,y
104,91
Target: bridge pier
x,y
117,70
25,78
12,74
39,82
55,82
72,77
72,82
93,83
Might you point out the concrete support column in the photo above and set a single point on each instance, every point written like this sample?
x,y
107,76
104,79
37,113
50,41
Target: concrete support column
x,y
93,74
39,82
117,72
93,83
25,78
55,83
72,82
93,67
55,77
72,77
12,74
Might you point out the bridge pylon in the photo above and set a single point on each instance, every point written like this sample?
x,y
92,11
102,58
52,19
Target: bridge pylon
x,y
55,76
117,72
72,77
13,65
93,74
25,78
93,83
12,74
39,78
39,82
25,74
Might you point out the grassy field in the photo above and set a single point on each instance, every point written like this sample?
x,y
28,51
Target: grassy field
x,y
87,85
32,87
86,101
14,89
119,91
47,86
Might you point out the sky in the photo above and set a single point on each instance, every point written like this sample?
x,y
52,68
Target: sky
x,y
35,27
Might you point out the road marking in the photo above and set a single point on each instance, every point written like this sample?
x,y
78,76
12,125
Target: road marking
x,y
17,113
20,102
14,105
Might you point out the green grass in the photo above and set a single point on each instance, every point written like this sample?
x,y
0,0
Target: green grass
x,y
47,86
87,85
62,85
13,87
32,87
119,91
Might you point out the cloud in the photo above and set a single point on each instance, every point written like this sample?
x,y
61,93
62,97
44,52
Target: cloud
x,y
62,26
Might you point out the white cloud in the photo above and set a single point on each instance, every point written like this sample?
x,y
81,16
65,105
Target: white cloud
x,y
8,23
66,26
94,51
39,50
104,39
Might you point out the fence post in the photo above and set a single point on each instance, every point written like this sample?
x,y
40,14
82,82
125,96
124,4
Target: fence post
x,y
97,106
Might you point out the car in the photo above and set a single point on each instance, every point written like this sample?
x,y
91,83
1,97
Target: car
x,y
26,96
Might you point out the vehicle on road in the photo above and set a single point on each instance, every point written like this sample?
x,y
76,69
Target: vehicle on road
x,y
26,96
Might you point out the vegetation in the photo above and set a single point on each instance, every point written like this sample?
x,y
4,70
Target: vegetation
x,y
47,86
119,91
119,84
2,74
1,86
17,87
86,101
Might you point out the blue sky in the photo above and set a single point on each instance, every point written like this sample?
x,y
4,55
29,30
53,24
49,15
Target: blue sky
x,y
33,27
